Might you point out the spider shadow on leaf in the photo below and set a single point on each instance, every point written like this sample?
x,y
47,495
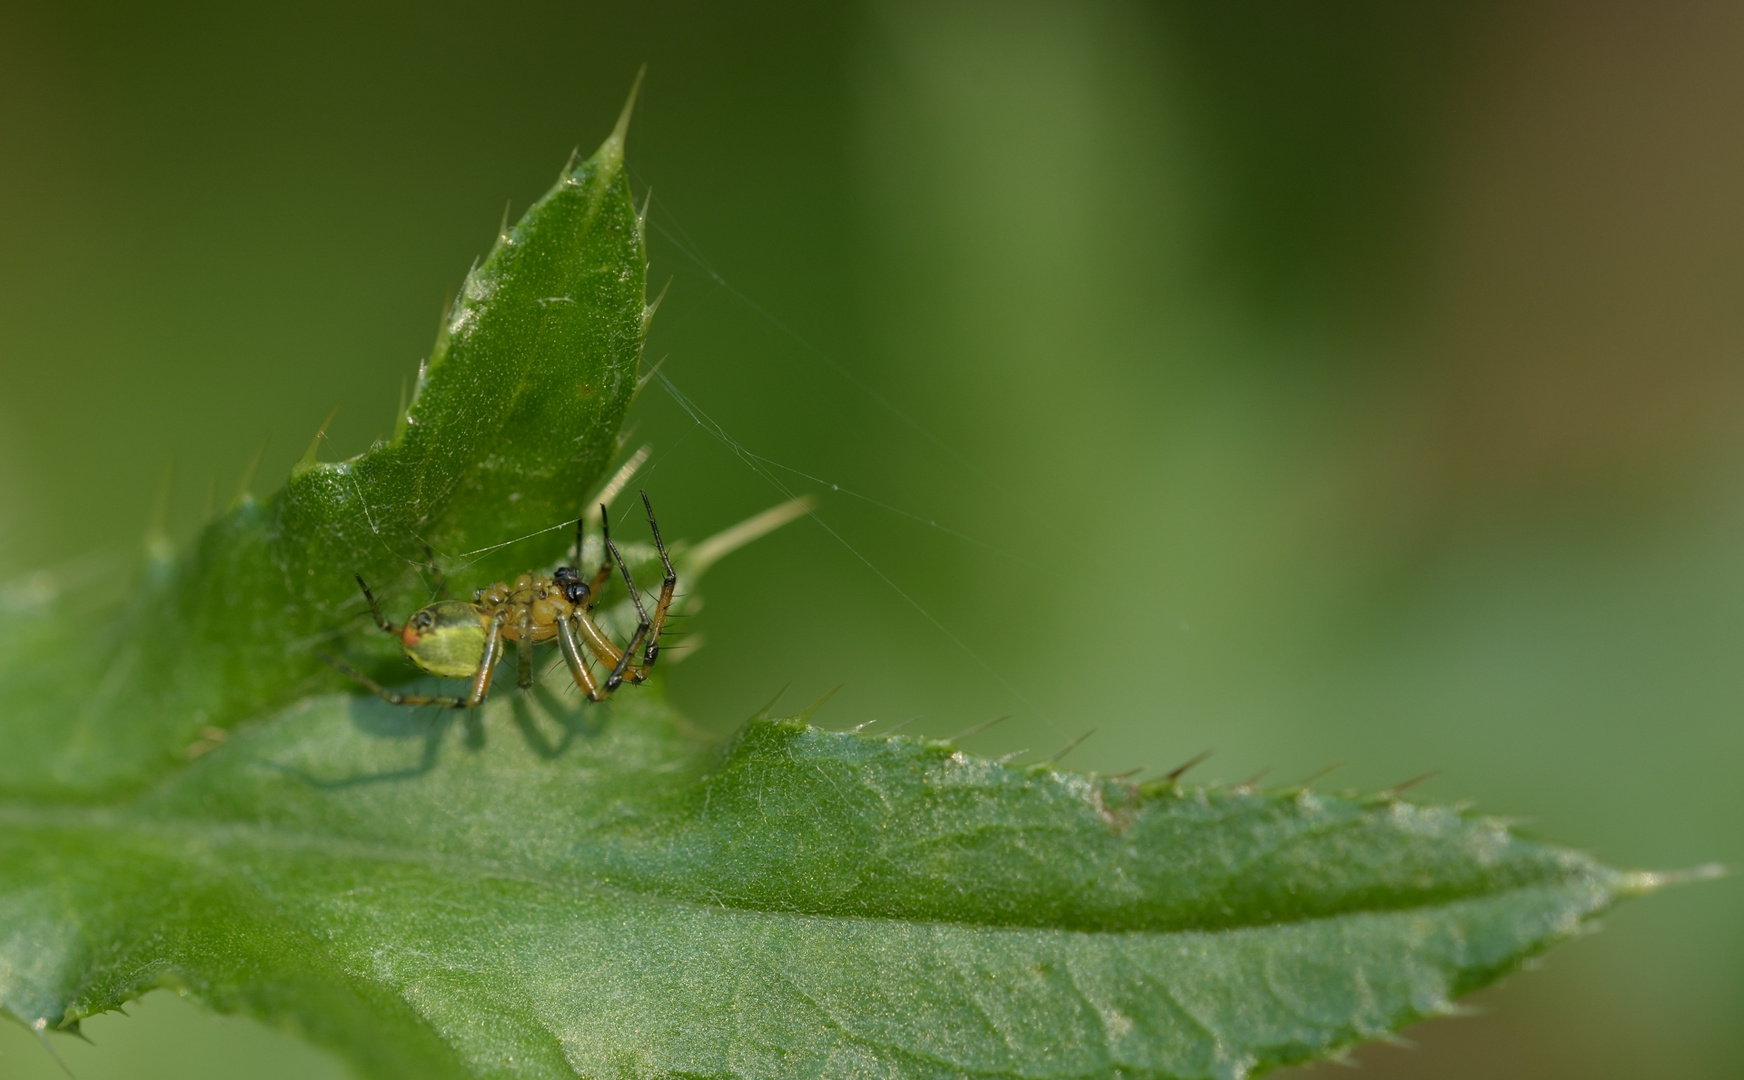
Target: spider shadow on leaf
x,y
533,713
428,725
573,718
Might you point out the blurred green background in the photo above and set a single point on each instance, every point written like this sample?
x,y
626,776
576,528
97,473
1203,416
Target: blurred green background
x,y
1317,382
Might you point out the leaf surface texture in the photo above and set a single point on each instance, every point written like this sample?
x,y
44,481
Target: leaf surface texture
x,y
547,889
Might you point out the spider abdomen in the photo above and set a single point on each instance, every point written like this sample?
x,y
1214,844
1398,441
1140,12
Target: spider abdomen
x,y
447,638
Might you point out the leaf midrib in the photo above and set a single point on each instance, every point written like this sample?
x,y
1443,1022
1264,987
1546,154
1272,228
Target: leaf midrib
x,y
171,828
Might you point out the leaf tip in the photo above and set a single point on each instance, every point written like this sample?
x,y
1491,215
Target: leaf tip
x,y
805,714
763,713
1642,882
1406,785
308,460
1053,762
1173,776
976,729
649,309
887,735
244,487
611,152
157,531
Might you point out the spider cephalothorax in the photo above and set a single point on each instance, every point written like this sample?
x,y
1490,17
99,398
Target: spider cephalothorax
x,y
460,639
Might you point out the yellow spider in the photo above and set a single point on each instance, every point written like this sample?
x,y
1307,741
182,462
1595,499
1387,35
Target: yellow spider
x,y
458,639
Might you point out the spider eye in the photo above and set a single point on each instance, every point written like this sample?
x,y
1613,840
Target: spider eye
x,y
422,620
575,592
565,576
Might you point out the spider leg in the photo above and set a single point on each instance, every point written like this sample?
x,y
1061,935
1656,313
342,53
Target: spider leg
x,y
597,641
633,661
602,648
576,662
390,696
524,659
629,582
616,678
604,573
652,652
375,608
487,664
524,650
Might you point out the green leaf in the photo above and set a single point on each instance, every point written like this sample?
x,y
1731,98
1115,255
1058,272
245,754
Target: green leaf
x,y
545,888
588,892
515,417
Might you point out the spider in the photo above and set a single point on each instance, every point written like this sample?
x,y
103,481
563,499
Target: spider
x,y
459,639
